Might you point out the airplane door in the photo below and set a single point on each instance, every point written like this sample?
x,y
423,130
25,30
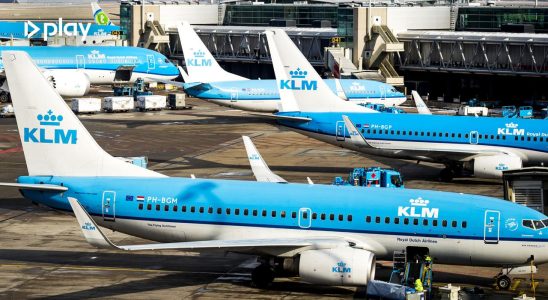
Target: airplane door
x,y
491,229
151,62
340,131
305,217
109,205
80,62
234,95
474,137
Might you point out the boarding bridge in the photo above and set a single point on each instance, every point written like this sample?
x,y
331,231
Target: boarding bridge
x,y
244,44
383,45
500,53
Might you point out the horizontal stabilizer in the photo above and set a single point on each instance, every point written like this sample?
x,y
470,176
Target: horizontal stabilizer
x,y
95,237
282,117
260,169
38,187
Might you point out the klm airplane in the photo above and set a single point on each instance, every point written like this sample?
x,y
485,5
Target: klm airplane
x,y
207,80
71,69
293,228
483,146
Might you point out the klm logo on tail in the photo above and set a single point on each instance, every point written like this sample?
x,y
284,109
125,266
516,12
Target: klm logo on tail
x,y
48,132
199,60
298,82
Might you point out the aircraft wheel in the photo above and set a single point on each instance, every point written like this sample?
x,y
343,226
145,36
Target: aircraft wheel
x,y
447,175
503,282
4,97
262,276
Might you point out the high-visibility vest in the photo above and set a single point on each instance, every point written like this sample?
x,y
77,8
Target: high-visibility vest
x,y
418,285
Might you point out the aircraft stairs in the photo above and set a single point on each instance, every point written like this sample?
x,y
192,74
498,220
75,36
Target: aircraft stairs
x,y
154,36
384,44
406,271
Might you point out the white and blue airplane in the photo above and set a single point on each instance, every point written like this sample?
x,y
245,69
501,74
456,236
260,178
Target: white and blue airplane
x,y
207,80
71,70
484,146
298,227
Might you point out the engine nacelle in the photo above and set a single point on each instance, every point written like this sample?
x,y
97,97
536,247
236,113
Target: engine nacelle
x,y
339,266
68,83
492,166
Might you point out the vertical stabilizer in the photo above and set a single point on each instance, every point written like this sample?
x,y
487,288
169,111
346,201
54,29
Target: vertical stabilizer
x,y
259,167
101,18
54,140
300,86
421,106
200,64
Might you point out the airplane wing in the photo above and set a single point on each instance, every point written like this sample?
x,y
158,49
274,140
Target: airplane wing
x,y
259,167
421,106
38,187
418,152
274,246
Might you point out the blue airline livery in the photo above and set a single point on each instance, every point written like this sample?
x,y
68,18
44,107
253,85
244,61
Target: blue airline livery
x,y
481,145
72,69
207,80
298,226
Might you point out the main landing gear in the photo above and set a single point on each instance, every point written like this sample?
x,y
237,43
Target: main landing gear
x,y
503,282
263,275
451,171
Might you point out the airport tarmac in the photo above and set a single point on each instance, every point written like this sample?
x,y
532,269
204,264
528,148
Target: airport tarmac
x,y
43,253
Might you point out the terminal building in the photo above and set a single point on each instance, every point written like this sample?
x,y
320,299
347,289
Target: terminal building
x,y
450,51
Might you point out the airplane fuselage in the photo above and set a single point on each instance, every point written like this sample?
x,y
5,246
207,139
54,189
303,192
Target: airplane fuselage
x,y
457,229
100,63
415,134
263,95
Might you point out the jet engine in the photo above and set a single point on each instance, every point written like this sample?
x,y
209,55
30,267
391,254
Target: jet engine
x,y
339,266
492,166
68,83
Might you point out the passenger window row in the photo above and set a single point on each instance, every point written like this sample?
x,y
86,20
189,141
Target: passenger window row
x,y
247,212
437,134
415,221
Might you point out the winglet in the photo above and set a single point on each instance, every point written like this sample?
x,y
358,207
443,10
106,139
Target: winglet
x,y
421,106
309,181
91,231
355,136
260,169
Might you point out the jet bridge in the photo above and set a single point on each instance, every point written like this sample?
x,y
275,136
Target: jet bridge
x,y
500,53
245,44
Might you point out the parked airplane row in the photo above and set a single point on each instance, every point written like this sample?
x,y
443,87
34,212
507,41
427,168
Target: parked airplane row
x,y
293,228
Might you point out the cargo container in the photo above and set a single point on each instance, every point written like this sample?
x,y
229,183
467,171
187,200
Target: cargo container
x,y
151,102
118,104
177,101
86,105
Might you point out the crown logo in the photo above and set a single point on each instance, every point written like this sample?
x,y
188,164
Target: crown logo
x,y
298,73
49,119
341,264
512,125
199,53
419,202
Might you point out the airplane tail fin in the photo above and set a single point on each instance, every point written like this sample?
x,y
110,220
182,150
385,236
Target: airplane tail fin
x,y
101,18
300,86
54,140
200,64
421,106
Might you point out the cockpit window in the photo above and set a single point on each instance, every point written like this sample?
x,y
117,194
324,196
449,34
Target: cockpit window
x,y
528,224
538,224
535,224
166,61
